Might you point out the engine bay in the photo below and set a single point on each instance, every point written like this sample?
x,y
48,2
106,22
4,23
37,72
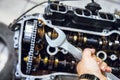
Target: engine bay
x,y
83,29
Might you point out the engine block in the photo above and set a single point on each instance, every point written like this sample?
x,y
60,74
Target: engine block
x,y
37,60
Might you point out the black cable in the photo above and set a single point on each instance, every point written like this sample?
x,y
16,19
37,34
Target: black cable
x,y
12,25
31,9
39,5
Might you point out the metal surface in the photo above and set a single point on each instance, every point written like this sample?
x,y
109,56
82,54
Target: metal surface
x,y
62,42
111,76
16,7
32,46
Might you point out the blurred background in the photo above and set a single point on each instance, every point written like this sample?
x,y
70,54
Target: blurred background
x,y
11,9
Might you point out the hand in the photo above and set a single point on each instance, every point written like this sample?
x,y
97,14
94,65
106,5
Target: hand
x,y
92,65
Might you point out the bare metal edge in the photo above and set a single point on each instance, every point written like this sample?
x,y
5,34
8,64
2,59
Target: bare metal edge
x,y
18,71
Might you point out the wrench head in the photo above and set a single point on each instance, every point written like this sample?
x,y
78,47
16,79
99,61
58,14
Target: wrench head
x,y
58,41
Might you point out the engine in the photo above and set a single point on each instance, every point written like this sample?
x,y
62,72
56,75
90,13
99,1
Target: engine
x,y
83,29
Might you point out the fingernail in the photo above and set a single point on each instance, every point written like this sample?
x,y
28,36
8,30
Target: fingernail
x,y
110,70
103,68
98,63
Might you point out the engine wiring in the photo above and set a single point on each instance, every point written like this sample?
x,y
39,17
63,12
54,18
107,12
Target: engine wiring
x,y
37,59
12,25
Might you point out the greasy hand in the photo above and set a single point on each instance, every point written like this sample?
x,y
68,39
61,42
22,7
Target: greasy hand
x,y
92,64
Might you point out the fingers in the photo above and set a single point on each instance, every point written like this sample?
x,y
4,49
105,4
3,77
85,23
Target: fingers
x,y
104,67
88,52
99,61
108,69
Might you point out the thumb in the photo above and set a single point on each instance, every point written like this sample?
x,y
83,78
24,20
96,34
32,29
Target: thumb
x,y
88,52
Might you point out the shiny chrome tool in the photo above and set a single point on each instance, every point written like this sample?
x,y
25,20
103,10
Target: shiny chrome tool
x,y
62,42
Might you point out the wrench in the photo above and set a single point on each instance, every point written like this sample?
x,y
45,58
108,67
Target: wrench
x,y
62,42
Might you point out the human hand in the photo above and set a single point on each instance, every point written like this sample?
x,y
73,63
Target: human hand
x,y
90,64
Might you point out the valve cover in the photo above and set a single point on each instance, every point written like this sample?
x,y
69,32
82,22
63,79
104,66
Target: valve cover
x,y
37,59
